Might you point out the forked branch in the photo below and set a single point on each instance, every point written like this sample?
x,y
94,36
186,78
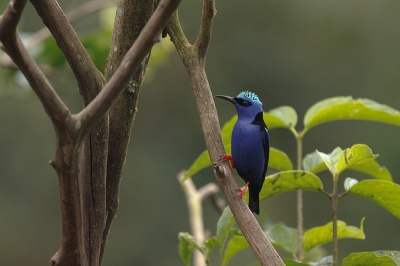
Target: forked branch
x,y
72,129
194,57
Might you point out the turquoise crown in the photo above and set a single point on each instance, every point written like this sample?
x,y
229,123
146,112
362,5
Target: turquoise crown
x,y
249,95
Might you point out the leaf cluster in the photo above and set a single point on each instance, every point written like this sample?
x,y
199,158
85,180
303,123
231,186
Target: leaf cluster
x,y
379,188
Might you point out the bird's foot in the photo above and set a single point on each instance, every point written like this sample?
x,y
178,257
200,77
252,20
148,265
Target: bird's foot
x,y
242,191
227,157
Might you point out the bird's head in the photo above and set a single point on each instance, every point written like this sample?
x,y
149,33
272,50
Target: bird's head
x,y
247,104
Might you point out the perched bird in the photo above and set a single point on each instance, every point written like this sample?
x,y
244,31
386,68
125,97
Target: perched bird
x,y
250,145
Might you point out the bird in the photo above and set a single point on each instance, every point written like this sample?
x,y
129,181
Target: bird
x,y
249,144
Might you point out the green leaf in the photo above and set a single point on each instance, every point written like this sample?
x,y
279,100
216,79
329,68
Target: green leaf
x,y
235,245
200,163
279,160
340,108
284,237
339,160
331,159
313,163
357,154
316,254
384,193
281,117
323,234
393,254
211,242
224,226
386,258
373,168
288,181
209,245
226,130
186,245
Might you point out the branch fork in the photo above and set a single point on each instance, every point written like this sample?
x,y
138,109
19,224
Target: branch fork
x,y
72,129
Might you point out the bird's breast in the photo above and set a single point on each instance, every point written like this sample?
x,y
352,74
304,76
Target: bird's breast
x,y
248,150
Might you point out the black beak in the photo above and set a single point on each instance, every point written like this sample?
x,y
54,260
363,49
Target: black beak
x,y
228,98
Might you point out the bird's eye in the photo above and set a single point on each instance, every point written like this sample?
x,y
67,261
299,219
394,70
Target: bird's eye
x,y
246,103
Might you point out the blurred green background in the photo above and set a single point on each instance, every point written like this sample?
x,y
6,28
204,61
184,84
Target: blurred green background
x,y
288,52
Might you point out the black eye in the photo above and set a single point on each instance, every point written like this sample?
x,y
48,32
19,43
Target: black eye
x,y
242,102
246,103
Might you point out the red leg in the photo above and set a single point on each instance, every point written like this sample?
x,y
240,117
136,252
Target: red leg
x,y
242,191
227,157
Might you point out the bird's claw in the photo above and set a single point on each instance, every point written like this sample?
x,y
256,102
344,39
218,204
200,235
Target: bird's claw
x,y
227,157
243,191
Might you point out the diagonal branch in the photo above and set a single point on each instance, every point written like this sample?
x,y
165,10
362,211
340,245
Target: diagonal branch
x,y
72,16
129,65
10,19
89,78
71,130
131,17
12,44
193,58
204,36
177,35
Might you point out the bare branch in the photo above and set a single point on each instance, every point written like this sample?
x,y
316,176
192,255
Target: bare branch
x,y
194,202
211,190
193,58
53,105
130,19
72,16
10,19
208,190
177,36
129,65
71,130
204,36
66,159
89,78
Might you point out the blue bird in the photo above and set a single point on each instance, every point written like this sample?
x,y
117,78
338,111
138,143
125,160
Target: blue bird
x,y
250,145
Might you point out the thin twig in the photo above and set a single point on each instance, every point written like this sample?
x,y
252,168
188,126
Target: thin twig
x,y
300,251
208,190
194,202
334,199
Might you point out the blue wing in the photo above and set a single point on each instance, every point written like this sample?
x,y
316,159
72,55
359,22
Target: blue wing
x,y
266,145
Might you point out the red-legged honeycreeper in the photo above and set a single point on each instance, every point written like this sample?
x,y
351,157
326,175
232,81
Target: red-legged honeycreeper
x,y
250,145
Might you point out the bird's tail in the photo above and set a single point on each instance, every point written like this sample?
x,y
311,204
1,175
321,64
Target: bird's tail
x,y
254,202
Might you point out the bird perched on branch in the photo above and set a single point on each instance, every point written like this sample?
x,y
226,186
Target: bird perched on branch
x,y
250,145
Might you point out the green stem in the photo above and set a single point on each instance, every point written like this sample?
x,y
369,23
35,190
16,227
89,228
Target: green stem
x,y
334,200
300,252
